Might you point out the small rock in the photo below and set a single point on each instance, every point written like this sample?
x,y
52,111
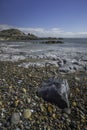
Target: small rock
x,y
54,116
73,125
67,110
27,114
28,100
74,104
16,103
0,124
15,118
42,107
77,90
0,103
24,90
50,109
77,78
83,117
17,129
65,115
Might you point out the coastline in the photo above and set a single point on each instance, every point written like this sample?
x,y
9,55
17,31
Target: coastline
x,y
23,67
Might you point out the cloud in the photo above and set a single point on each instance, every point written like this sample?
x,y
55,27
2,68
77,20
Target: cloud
x,y
4,26
36,31
42,32
53,32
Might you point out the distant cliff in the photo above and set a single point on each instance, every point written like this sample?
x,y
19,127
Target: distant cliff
x,y
15,34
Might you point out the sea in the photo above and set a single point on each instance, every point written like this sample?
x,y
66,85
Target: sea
x,y
72,48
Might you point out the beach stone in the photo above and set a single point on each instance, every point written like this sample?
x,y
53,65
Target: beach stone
x,y
55,91
74,104
27,114
24,90
15,118
50,110
17,129
42,107
74,61
67,110
28,100
65,69
0,124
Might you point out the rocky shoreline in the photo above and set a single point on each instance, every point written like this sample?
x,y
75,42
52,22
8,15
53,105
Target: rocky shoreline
x,y
22,109
67,59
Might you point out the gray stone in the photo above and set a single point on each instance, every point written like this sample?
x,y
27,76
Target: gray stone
x,y
55,91
71,68
15,118
17,129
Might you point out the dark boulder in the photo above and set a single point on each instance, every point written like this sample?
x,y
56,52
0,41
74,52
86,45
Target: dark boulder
x,y
55,91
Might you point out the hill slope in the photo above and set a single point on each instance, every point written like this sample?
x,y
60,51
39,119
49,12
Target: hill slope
x,y
15,34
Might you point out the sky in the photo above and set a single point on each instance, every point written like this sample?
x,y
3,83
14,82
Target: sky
x,y
56,18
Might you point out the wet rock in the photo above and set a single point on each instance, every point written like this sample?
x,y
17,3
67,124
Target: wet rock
x,y
70,68
15,118
64,61
64,69
74,61
61,63
55,91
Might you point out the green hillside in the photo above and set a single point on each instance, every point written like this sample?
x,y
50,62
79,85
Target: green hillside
x,y
15,34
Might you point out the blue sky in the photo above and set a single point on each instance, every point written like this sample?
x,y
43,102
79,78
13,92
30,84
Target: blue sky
x,y
67,18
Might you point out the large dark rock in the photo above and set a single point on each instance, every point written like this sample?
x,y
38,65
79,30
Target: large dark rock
x,y
55,91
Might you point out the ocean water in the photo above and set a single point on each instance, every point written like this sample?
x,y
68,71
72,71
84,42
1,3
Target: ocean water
x,y
71,49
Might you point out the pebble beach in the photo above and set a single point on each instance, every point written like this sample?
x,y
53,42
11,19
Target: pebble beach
x,y
22,71
22,109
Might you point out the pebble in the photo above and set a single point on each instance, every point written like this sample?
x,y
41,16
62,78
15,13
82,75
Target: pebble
x,y
74,104
65,115
0,103
83,117
42,107
27,114
50,110
0,124
17,129
77,78
67,110
77,90
73,125
16,103
24,90
28,100
54,116
15,118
